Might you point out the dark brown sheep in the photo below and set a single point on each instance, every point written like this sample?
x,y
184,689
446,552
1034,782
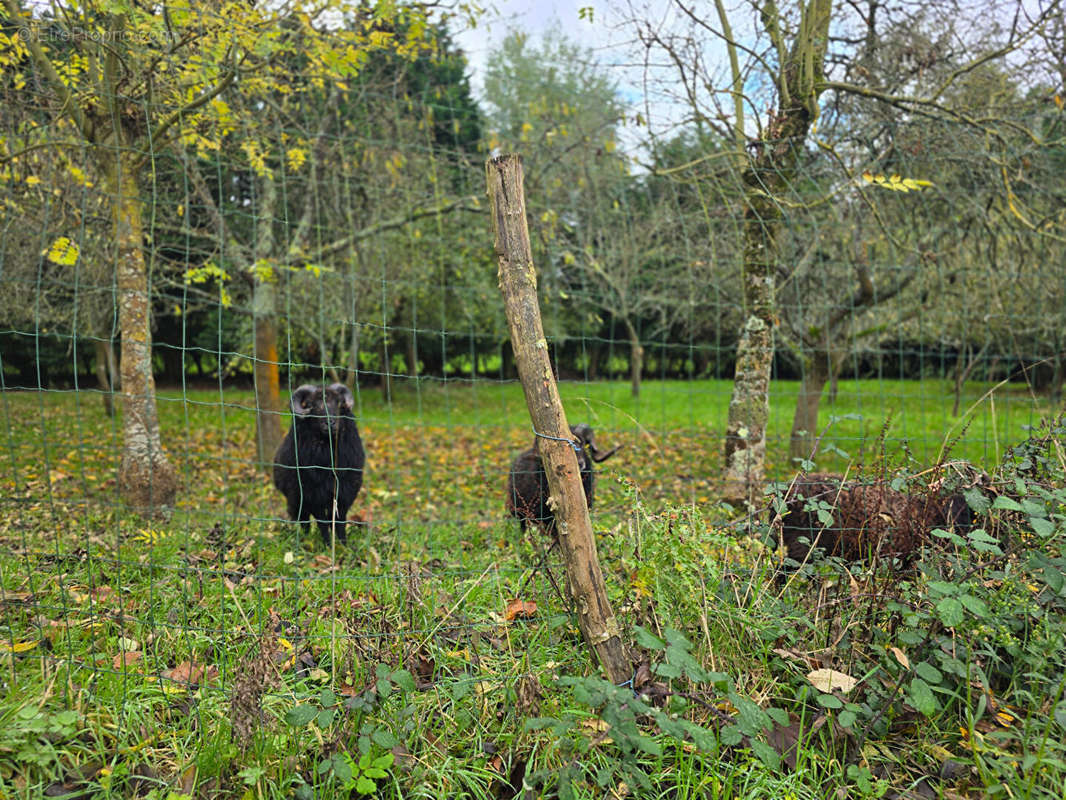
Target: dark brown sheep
x,y
527,483
321,459
869,520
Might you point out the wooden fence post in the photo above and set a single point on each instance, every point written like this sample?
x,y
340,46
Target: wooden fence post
x,y
518,282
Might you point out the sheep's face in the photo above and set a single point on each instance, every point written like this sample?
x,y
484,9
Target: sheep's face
x,y
323,408
589,452
957,513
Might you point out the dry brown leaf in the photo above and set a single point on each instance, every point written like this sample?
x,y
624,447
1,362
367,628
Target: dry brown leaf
x,y
829,680
190,673
901,657
126,659
520,609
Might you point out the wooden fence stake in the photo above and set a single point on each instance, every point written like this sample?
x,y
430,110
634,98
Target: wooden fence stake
x,y
518,282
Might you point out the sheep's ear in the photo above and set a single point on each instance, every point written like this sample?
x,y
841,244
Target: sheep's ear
x,y
301,400
345,394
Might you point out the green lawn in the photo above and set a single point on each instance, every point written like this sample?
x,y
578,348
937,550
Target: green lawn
x,y
214,653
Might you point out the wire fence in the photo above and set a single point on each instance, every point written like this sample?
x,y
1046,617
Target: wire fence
x,y
344,237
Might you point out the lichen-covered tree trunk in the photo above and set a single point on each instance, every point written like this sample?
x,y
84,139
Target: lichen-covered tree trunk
x,y
768,177
816,373
146,478
749,406
267,379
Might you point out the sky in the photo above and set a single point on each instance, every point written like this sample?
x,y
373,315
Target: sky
x,y
533,17
602,29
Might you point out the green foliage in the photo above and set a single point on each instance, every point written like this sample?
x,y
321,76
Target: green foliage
x,y
35,736
961,660
326,711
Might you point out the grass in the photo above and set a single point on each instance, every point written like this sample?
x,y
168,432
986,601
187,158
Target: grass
x,y
216,654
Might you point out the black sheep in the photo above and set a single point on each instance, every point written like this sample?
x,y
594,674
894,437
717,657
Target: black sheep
x,y
321,458
527,483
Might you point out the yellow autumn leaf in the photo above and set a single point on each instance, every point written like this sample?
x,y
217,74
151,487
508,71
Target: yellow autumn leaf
x,y
296,158
896,183
17,647
63,252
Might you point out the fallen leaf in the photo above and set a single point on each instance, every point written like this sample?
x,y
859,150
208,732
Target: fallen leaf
x,y
901,657
126,659
520,609
189,673
11,598
828,680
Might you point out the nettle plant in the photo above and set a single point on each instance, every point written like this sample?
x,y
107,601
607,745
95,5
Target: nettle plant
x,y
336,717
643,724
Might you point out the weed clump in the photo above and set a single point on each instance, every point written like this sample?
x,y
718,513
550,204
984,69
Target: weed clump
x,y
255,676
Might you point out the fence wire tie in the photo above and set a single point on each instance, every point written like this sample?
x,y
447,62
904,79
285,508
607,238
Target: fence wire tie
x,y
572,442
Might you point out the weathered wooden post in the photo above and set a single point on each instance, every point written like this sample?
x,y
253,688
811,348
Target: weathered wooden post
x,y
518,282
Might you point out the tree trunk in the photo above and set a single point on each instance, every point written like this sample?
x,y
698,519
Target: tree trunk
x,y
836,364
805,422
507,370
1055,392
636,359
264,276
353,358
768,176
267,380
412,350
105,373
595,351
350,304
518,283
146,479
962,372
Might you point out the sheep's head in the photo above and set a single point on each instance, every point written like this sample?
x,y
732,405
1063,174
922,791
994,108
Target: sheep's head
x,y
584,436
323,408
957,513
